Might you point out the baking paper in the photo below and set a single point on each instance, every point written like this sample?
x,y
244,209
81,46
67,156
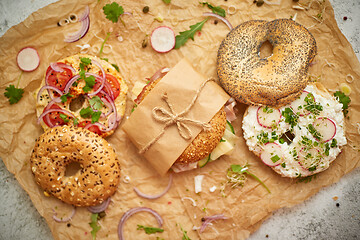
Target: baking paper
x,y
246,207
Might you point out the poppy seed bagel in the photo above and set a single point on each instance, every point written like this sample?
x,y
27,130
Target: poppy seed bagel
x,y
100,170
273,81
205,142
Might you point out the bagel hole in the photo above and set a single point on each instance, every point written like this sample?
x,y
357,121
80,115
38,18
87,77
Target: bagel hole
x,y
72,168
77,103
266,50
288,137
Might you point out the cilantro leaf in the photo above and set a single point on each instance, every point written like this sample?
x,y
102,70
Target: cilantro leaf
x,y
65,96
96,103
64,117
345,100
13,94
113,11
95,117
150,230
217,10
89,83
86,61
86,112
182,38
93,225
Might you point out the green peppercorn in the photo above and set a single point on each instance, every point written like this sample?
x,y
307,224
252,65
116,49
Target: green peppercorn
x,y
146,9
259,3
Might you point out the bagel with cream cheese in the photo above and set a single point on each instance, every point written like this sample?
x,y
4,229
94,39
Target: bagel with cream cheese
x,y
273,81
299,139
59,146
199,151
74,92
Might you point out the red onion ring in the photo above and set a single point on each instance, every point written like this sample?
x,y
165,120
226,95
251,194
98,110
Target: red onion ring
x,y
210,14
51,88
127,13
85,25
143,195
131,212
210,219
63,219
59,67
84,14
101,207
54,110
70,83
103,78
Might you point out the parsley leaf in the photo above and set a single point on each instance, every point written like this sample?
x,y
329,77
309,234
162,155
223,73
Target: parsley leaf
x,y
13,93
149,230
113,11
182,38
89,83
96,103
65,96
345,100
93,225
217,10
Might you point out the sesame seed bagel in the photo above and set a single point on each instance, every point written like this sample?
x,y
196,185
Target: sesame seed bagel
x,y
272,81
205,142
57,148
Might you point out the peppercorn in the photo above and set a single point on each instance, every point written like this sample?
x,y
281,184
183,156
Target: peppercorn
x,y
216,22
259,3
338,204
144,42
68,225
146,9
102,214
345,18
203,219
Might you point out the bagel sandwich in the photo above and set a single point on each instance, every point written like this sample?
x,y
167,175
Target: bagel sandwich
x,y
208,145
75,92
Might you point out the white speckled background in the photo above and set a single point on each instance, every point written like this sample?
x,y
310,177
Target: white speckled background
x,y
320,217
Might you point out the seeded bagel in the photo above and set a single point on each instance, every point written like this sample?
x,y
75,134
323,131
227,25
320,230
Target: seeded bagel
x,y
205,142
57,148
273,81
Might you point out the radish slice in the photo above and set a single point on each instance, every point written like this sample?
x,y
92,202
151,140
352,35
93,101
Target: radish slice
x,y
268,117
28,59
162,39
326,127
271,154
298,104
308,159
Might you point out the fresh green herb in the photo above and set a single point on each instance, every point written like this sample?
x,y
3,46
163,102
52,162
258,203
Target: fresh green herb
x,y
345,100
106,59
266,109
149,230
89,83
89,113
76,121
83,63
222,140
263,137
116,67
64,117
113,11
283,165
103,44
306,179
290,117
327,149
313,168
86,61
182,38
306,141
230,126
217,10
96,103
14,94
94,225
241,170
133,109
185,236
314,132
312,106
333,143
65,97
281,141
275,158
166,1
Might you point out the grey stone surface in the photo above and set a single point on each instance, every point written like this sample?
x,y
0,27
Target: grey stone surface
x,y
317,218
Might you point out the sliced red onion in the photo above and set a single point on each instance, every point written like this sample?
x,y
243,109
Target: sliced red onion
x,y
127,13
49,88
47,119
57,219
85,25
210,14
131,212
59,67
108,105
84,14
54,110
70,83
101,207
102,77
143,195
210,219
